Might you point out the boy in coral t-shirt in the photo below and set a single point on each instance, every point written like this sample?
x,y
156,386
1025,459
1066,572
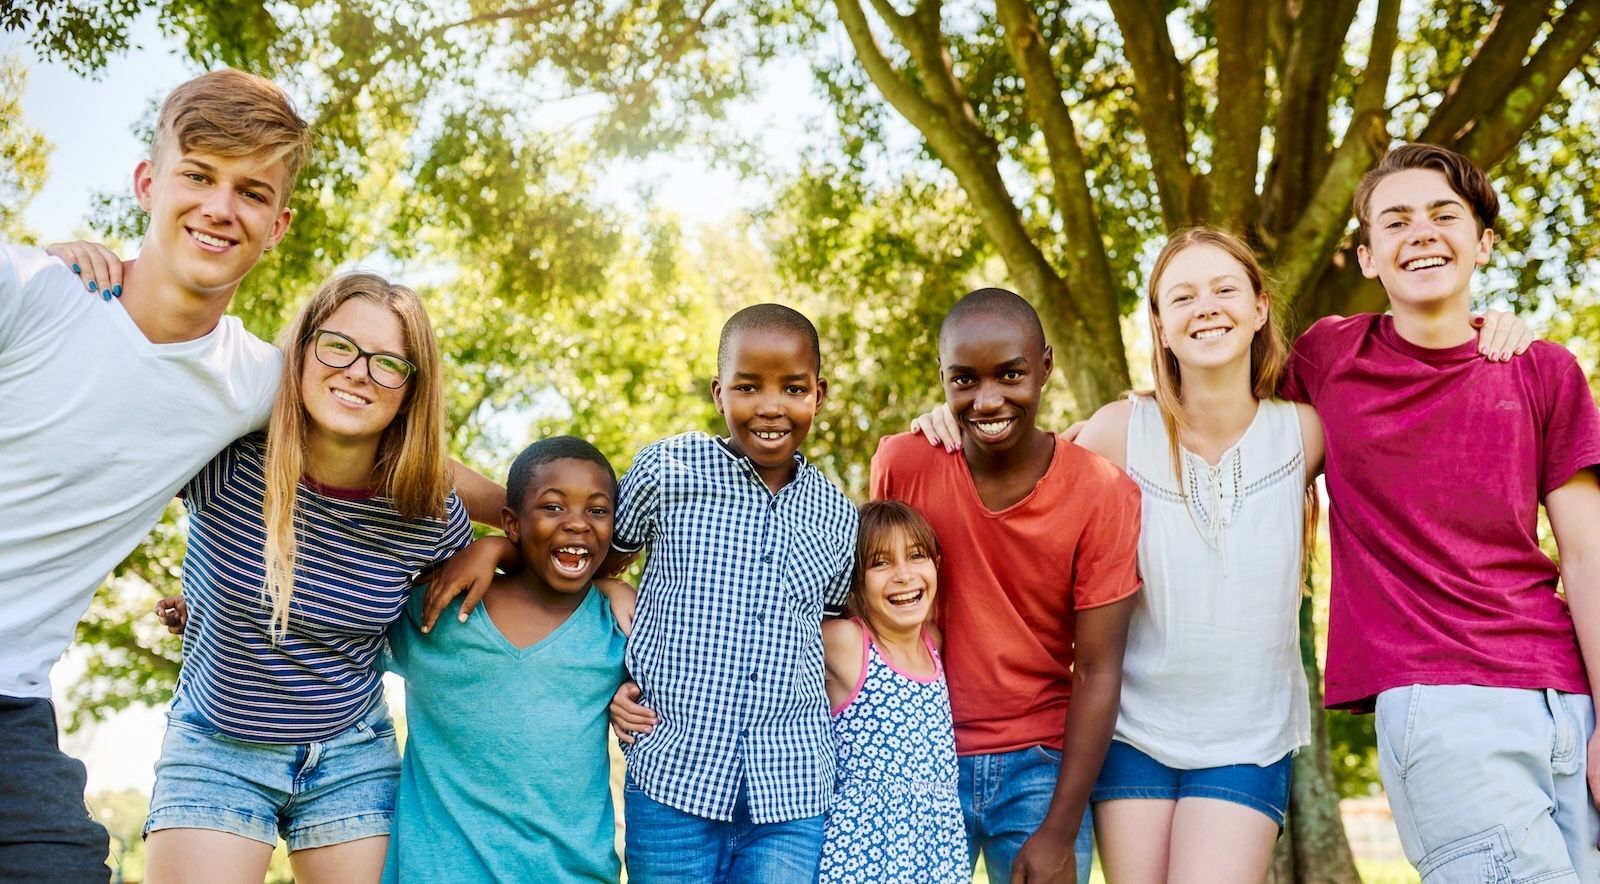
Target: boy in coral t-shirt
x,y
1039,572
1444,615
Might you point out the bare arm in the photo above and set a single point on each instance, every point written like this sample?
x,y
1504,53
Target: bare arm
x,y
1100,636
1106,433
484,498
1310,439
1574,511
842,644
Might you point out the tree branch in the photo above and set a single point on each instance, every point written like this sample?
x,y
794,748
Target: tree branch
x,y
1241,109
1304,252
1158,83
1316,33
1493,69
1488,140
1087,269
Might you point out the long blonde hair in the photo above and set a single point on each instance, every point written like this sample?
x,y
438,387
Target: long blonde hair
x,y
410,469
1269,354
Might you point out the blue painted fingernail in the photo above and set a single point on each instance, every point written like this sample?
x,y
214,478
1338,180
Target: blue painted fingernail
x,y
118,290
104,296
93,286
76,269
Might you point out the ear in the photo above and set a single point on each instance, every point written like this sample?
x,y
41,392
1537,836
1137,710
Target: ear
x,y
280,226
1364,258
1485,246
509,523
716,395
1263,306
822,392
1047,362
144,176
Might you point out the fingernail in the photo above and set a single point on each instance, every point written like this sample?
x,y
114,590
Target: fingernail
x,y
117,290
426,629
104,296
76,269
93,286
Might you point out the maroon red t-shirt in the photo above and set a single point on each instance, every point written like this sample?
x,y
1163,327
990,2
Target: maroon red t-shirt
x,y
1436,463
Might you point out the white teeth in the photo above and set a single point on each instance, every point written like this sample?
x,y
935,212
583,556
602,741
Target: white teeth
x,y
574,551
903,599
1209,333
1424,263
209,240
992,427
350,397
768,435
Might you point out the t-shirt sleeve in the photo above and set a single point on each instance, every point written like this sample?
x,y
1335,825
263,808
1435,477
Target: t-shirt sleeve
x,y
1106,568
398,638
638,502
214,476
881,485
1307,365
458,528
1571,440
25,307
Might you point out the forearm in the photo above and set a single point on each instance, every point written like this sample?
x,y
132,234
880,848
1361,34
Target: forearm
x,y
1096,694
1580,579
484,498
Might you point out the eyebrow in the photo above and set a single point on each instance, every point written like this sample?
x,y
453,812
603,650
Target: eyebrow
x,y
756,376
1212,281
251,183
1436,204
1017,362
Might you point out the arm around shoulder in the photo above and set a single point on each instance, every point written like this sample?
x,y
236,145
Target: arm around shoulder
x,y
1106,433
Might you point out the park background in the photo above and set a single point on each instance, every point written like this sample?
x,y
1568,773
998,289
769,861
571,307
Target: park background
x,y
584,189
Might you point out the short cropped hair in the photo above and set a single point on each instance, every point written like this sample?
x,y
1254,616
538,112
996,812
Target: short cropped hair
x,y
773,318
1007,305
233,114
546,451
1466,179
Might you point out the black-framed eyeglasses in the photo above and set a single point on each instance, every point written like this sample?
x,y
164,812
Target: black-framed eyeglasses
x,y
337,351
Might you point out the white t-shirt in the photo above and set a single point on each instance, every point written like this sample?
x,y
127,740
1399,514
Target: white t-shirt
x,y
99,428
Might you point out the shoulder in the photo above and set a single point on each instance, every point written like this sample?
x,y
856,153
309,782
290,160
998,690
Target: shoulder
x,y
37,284
1106,432
908,449
1548,354
1086,471
842,640
1336,331
28,266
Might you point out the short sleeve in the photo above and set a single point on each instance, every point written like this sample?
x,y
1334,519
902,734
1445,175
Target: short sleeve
x,y
639,502
28,304
839,586
458,528
1106,567
397,644
1307,365
880,486
1571,440
216,475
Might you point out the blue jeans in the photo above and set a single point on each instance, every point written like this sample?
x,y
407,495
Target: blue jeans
x,y
664,844
1489,784
1004,798
46,833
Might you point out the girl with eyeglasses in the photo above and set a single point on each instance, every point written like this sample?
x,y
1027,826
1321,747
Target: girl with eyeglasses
x,y
303,545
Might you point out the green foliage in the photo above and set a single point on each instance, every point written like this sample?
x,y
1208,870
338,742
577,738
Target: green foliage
x,y
24,154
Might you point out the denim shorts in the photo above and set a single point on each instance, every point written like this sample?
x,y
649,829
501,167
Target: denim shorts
x,y
1129,773
311,794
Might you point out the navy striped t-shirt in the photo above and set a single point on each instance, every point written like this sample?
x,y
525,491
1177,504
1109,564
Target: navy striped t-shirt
x,y
355,562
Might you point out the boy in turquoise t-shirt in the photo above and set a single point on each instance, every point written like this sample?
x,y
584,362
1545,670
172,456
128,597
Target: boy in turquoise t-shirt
x,y
505,775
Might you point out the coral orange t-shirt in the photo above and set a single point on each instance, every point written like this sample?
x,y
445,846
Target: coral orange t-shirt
x,y
1012,581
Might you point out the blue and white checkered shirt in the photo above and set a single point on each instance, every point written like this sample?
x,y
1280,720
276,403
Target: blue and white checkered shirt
x,y
727,639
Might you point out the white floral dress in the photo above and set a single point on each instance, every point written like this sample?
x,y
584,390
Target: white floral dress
x,y
897,810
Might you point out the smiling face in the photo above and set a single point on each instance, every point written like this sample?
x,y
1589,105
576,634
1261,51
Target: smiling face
x,y
1208,310
899,580
344,405
769,393
1423,240
211,216
993,369
564,528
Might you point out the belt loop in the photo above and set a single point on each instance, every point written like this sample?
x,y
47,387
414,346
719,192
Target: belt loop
x,y
1566,728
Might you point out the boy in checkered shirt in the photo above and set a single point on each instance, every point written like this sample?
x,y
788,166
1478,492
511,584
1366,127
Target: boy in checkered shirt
x,y
731,763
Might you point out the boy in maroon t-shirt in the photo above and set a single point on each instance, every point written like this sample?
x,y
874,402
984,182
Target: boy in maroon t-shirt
x,y
1445,617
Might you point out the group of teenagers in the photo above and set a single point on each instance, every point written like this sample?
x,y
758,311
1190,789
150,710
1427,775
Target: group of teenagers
x,y
1023,631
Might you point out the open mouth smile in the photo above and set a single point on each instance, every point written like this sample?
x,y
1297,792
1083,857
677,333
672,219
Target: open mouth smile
x,y
907,599
1207,334
350,398
571,560
210,241
994,427
1424,263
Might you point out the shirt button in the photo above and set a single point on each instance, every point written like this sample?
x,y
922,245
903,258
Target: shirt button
x,y
767,557
752,676
761,617
744,733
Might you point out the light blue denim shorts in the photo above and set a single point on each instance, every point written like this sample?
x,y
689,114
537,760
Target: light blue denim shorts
x,y
312,794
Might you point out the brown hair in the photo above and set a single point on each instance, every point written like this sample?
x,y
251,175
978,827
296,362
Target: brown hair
x,y
880,519
234,114
1466,179
1269,354
410,469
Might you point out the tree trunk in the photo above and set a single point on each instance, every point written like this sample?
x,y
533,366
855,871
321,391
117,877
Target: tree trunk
x,y
1321,852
